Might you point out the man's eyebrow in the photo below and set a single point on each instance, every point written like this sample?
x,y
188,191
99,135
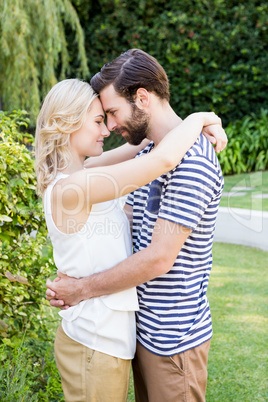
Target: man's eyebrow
x,y
109,110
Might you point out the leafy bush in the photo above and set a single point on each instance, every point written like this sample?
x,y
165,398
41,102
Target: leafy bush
x,y
28,372
247,148
25,256
213,51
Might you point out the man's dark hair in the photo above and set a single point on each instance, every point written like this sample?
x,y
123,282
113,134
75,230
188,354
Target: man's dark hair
x,y
132,70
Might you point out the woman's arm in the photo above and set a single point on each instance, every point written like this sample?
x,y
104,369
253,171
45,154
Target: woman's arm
x,y
213,133
216,135
106,183
116,155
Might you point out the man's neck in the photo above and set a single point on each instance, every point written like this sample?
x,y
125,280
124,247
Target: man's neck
x,y
163,120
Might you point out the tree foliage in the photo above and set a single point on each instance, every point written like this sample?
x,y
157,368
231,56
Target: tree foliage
x,y
34,53
23,234
213,50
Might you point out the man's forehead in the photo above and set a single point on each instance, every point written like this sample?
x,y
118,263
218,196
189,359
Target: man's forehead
x,y
110,98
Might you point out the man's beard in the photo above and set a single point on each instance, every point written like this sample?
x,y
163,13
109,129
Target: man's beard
x,y
137,127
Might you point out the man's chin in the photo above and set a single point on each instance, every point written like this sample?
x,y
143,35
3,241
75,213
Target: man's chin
x,y
130,138
133,142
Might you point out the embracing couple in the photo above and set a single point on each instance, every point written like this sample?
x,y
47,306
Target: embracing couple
x,y
120,301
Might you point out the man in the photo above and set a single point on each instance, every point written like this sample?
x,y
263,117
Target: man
x,y
173,227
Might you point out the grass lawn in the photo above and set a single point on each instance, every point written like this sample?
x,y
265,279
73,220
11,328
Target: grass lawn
x,y
238,293
259,183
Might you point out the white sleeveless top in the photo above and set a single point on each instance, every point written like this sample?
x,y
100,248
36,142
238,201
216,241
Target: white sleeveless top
x,y
106,323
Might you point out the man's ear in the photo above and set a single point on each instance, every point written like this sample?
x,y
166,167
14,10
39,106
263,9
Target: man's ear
x,y
142,98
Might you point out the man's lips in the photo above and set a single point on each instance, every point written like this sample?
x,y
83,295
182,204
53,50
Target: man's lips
x,y
121,131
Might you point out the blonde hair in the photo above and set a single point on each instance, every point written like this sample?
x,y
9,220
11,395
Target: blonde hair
x,y
63,112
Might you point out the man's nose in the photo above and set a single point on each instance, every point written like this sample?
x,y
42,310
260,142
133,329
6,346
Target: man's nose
x,y
111,123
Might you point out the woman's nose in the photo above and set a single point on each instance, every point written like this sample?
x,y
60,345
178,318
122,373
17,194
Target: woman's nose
x,y
105,131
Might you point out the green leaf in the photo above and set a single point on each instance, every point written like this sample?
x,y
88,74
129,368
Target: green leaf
x,y
5,218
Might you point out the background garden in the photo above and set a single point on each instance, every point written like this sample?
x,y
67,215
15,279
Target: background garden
x,y
215,56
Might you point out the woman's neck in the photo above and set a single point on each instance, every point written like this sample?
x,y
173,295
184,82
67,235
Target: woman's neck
x,y
77,163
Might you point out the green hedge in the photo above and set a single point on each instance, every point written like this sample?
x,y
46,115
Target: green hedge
x,y
25,255
27,324
247,148
213,51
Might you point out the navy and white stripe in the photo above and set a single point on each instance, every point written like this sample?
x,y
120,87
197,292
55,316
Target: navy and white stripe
x,y
174,311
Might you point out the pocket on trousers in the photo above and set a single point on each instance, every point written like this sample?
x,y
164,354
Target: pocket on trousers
x,y
180,362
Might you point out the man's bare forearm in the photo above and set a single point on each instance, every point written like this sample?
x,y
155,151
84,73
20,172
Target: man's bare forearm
x,y
138,268
147,264
133,271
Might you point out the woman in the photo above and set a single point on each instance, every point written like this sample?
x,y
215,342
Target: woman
x,y
89,232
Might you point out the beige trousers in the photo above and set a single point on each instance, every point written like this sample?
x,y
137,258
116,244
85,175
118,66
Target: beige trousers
x,y
178,378
88,375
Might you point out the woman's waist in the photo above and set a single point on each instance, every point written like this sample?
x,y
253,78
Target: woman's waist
x,y
110,332
121,302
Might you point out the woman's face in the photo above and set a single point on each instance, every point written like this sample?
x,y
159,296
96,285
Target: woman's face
x,y
88,140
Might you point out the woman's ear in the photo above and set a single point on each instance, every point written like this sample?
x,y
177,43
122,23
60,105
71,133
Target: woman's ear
x,y
142,98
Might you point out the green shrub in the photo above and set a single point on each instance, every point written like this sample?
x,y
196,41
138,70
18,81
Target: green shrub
x,y
28,372
25,255
15,384
247,148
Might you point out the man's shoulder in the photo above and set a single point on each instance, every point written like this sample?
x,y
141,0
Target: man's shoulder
x,y
201,153
200,147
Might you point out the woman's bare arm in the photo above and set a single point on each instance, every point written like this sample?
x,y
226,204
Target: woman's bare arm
x,y
109,182
116,155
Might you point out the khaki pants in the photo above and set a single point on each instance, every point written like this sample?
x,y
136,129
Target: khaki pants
x,y
179,378
89,375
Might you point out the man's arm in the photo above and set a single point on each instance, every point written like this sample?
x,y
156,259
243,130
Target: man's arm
x,y
155,260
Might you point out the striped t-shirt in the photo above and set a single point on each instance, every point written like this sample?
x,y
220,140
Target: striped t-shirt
x,y
174,311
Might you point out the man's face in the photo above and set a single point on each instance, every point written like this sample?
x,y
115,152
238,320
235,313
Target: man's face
x,y
124,118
